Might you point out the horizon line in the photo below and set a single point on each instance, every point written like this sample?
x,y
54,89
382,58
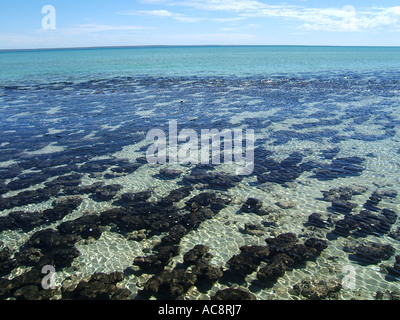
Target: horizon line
x,y
193,45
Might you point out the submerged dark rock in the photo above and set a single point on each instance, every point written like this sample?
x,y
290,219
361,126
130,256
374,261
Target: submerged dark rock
x,y
200,169
203,199
340,168
173,237
67,203
374,252
275,268
316,243
343,206
156,217
288,170
99,286
370,252
3,188
387,295
124,220
131,198
27,221
50,238
315,289
57,248
59,257
29,197
233,294
177,224
176,196
365,223
286,252
53,246
126,167
253,205
301,252
207,200
29,257
397,263
340,198
97,165
330,153
395,269
79,190
386,193
282,243
169,284
85,227
248,260
342,193
206,273
281,176
373,201
27,180
169,173
141,160
7,262
10,172
27,286
106,193
316,219
156,263
194,218
68,181
217,181
197,253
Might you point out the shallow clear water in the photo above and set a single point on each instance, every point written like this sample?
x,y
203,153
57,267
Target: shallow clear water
x,y
324,119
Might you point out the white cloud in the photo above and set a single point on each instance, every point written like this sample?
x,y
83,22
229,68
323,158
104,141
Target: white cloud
x,y
223,5
82,29
161,14
177,16
153,1
157,13
377,18
86,28
227,19
345,18
373,19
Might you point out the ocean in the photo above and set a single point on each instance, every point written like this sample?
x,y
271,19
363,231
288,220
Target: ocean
x,y
315,218
264,61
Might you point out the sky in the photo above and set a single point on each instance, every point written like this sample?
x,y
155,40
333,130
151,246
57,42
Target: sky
x,y
29,24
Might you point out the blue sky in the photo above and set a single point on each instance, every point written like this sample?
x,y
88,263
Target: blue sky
x,y
88,23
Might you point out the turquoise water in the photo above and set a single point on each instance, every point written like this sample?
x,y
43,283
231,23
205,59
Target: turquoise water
x,y
77,193
191,61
